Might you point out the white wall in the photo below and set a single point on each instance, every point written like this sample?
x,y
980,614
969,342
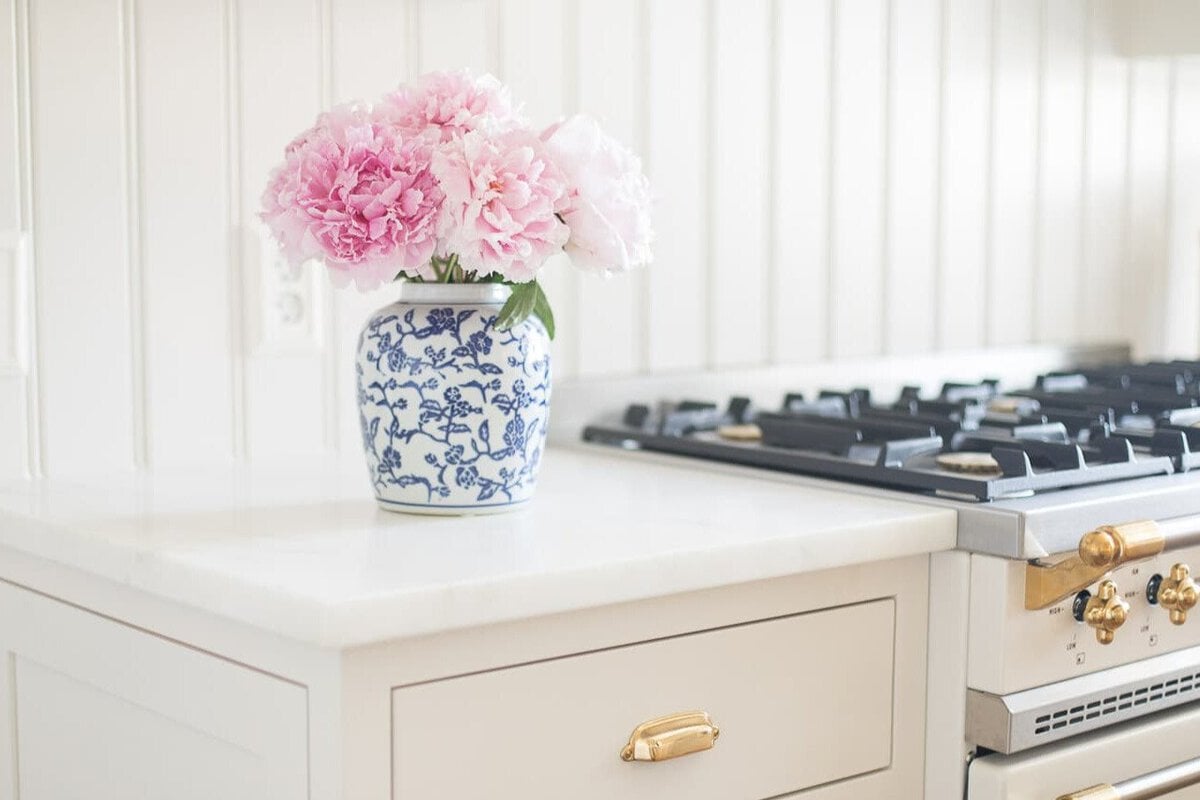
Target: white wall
x,y
837,179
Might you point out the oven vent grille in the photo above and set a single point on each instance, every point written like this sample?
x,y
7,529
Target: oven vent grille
x,y
1011,723
1162,693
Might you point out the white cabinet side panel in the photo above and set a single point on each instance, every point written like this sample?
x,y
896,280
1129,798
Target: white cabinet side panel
x,y
108,712
949,607
8,724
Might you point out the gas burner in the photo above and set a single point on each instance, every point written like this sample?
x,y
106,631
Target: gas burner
x,y
971,441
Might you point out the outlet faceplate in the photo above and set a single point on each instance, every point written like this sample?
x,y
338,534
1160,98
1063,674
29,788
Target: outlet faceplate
x,y
288,302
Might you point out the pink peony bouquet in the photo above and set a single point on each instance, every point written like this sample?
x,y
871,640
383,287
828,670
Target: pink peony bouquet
x,y
443,180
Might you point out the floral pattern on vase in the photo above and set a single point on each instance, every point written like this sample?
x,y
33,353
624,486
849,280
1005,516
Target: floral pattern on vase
x,y
453,411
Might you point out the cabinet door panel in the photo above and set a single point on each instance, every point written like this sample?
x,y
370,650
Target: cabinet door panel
x,y
104,711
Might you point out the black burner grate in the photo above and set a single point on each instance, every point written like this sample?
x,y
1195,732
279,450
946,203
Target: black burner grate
x,y
1091,426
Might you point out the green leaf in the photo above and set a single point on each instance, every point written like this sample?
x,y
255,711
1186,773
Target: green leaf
x,y
541,309
519,306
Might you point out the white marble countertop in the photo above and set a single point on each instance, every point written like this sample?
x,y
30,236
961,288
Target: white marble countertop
x,y
302,549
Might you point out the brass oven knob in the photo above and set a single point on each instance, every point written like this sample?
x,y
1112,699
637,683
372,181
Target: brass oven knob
x,y
1178,594
1105,612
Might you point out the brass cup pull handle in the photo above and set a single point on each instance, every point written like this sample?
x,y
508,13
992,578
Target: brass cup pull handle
x,y
671,736
1154,784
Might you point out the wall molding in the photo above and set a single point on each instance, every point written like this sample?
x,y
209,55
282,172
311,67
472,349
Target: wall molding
x,y
15,305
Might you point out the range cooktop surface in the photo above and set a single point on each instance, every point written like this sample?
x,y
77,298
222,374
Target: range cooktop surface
x,y
977,442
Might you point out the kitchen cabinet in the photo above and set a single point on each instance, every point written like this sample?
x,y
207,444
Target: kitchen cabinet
x,y
105,711
815,681
287,642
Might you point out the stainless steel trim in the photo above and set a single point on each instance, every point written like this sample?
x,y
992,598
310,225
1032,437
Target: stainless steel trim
x,y
1018,721
1051,523
1159,783
1179,532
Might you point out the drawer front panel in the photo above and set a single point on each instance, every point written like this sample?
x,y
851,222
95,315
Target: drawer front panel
x,y
800,701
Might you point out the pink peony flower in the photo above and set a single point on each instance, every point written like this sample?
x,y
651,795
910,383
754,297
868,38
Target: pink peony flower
x,y
356,194
608,210
451,104
502,198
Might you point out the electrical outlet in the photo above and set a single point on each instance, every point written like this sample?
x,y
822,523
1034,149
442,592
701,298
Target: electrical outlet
x,y
287,302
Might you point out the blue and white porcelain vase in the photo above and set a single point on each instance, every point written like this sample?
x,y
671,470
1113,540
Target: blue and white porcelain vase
x,y
453,411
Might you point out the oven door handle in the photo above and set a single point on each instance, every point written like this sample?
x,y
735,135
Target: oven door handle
x,y
1103,550
1148,786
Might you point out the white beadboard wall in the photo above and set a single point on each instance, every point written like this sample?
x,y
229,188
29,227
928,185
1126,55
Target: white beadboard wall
x,y
835,178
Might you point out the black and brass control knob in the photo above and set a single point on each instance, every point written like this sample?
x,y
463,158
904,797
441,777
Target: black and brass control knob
x,y
1178,593
1106,612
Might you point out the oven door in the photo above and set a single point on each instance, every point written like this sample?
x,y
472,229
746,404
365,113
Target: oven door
x,y
1143,759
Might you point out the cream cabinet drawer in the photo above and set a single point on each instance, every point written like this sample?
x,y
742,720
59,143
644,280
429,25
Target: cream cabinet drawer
x,y
800,701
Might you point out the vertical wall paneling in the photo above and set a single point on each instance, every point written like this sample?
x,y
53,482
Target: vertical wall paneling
x,y
534,54
84,342
371,53
369,47
1149,132
1180,322
1105,239
1060,184
14,273
739,220
238,237
800,192
453,34
1010,284
962,259
608,311
10,154
285,370
183,227
833,178
858,163
913,109
134,265
676,147
14,362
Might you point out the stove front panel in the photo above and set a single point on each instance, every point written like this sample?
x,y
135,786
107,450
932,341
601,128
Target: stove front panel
x,y
1011,649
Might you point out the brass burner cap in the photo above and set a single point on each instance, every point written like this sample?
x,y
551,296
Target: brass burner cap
x,y
1005,405
969,463
740,433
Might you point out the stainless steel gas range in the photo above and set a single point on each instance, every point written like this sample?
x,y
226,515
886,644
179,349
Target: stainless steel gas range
x,y
1078,502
